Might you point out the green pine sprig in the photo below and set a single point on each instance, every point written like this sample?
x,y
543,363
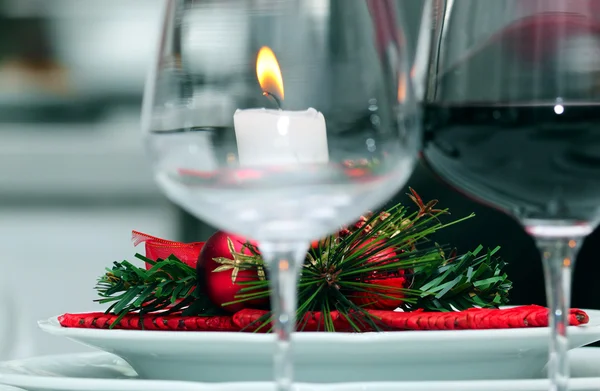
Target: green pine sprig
x,y
335,271
470,280
132,289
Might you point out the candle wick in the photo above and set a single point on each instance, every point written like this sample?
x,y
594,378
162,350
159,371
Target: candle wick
x,y
274,98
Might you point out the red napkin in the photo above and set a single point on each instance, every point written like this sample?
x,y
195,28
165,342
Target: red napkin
x,y
247,320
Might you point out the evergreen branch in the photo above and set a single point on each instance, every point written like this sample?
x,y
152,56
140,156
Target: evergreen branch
x,y
133,289
335,268
471,280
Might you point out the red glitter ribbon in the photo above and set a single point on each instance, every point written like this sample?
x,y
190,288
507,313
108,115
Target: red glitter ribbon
x,y
157,248
249,320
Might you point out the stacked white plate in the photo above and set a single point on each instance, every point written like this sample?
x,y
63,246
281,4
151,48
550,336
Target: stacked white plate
x,y
491,360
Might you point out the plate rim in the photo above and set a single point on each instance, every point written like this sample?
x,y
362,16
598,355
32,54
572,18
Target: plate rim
x,y
49,383
52,326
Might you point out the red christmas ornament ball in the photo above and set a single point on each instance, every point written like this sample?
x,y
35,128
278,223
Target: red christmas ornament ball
x,y
385,282
218,285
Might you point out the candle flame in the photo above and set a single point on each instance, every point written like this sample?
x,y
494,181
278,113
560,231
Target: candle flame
x,y
269,73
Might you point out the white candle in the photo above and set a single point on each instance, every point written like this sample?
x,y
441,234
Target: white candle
x,y
280,137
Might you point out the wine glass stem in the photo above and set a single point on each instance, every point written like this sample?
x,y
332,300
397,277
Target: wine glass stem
x,y
284,261
558,255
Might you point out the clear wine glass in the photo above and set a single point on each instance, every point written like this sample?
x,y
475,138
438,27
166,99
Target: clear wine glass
x,y
512,118
281,120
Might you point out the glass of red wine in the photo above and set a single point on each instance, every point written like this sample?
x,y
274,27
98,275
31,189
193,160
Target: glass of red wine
x,y
511,92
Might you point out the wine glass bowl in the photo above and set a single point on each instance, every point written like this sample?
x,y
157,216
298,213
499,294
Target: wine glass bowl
x,y
512,119
300,170
281,120
517,115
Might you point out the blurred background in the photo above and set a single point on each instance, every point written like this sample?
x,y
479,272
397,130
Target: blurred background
x,y
74,180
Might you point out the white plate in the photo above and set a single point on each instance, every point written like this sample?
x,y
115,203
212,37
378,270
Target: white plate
x,y
105,372
332,357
